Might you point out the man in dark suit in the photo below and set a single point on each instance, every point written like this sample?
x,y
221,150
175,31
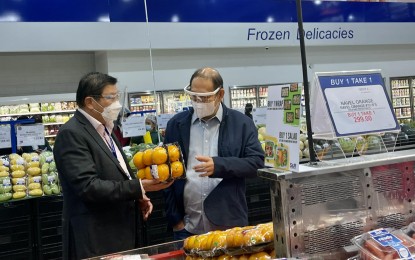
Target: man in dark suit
x,y
221,148
101,195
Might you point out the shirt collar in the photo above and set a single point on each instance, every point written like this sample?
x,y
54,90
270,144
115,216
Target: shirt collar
x,y
219,115
95,123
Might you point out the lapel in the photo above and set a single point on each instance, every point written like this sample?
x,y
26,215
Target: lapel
x,y
184,126
98,139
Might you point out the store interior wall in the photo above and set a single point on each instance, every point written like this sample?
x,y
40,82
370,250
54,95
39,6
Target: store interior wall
x,y
41,74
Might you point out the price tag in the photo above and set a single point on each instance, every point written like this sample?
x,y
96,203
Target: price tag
x,y
29,135
358,104
259,115
133,126
162,120
5,139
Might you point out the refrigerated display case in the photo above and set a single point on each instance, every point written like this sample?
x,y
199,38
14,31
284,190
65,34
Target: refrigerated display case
x,y
167,102
403,98
241,95
144,101
174,101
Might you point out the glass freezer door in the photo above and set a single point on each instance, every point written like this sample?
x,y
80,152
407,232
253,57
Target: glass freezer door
x,y
174,101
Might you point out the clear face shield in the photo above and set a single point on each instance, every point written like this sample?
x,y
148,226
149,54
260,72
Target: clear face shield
x,y
198,97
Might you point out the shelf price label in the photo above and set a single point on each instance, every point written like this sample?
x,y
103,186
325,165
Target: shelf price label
x,y
162,120
259,115
30,135
5,138
133,126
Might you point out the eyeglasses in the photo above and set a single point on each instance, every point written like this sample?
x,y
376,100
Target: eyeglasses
x,y
113,97
199,97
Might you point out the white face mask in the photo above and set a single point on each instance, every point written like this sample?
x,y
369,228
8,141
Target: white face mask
x,y
148,127
204,109
110,112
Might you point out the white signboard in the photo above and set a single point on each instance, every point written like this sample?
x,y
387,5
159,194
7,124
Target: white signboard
x,y
357,103
259,115
5,138
162,120
30,135
133,126
282,146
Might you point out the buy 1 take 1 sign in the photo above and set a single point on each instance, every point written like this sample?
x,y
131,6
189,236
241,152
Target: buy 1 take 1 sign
x,y
283,127
351,103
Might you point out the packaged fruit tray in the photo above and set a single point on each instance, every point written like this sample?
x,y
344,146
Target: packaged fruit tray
x,y
164,163
385,244
234,242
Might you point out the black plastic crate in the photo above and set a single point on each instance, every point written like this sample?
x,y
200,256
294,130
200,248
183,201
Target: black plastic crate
x,y
158,235
17,255
50,205
50,230
15,236
51,253
15,209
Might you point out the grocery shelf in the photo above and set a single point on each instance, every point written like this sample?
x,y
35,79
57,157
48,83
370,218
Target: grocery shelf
x,y
46,136
40,113
56,123
401,106
140,105
402,117
400,87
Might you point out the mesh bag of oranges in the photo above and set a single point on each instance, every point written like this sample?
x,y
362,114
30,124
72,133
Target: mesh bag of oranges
x,y
163,163
236,241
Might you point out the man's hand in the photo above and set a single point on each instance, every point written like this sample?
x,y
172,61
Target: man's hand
x,y
207,167
155,185
179,226
146,207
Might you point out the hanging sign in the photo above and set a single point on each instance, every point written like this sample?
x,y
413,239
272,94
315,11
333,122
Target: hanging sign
x,y
162,120
5,138
354,102
133,126
282,139
30,135
259,115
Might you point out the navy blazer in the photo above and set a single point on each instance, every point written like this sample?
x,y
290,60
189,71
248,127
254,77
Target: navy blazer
x,y
100,214
239,156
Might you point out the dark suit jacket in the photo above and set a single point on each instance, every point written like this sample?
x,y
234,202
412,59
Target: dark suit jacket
x,y
99,208
240,156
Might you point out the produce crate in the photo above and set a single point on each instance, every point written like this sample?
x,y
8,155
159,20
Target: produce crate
x,y
16,238
50,230
18,255
50,205
51,253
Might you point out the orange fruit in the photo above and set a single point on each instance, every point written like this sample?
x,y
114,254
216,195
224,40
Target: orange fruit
x,y
148,173
253,237
159,155
147,160
243,257
176,169
138,160
260,256
223,257
141,174
163,172
219,240
174,152
189,242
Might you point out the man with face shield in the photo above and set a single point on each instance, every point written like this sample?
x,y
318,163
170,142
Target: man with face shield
x,y
101,196
221,148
